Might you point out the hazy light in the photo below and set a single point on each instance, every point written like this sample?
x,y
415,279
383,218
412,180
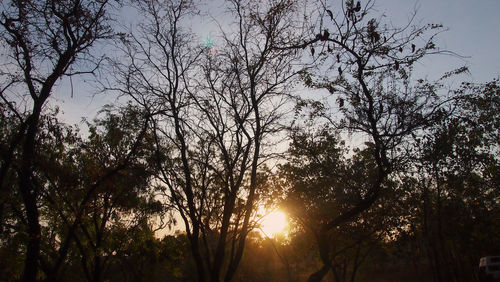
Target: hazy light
x,y
274,223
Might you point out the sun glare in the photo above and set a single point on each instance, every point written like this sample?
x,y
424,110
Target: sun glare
x,y
274,223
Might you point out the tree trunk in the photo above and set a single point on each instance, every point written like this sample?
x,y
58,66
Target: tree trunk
x,y
97,268
233,265
221,244
319,275
29,194
324,253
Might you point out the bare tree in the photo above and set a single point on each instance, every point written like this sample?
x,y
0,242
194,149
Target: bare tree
x,y
159,60
214,113
44,40
247,83
367,67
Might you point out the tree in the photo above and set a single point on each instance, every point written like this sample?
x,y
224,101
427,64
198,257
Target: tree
x,y
456,169
155,75
211,118
249,80
99,218
44,39
148,258
319,180
368,68
88,190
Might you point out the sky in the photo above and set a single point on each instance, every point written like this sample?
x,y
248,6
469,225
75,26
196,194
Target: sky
x,y
473,32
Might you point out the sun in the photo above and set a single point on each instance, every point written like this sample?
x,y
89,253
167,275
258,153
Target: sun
x,y
274,223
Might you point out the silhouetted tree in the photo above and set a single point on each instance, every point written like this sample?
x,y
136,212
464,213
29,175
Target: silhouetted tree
x,y
456,169
319,180
368,68
212,114
98,214
44,39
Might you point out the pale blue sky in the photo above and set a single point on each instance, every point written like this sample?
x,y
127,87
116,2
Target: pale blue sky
x,y
474,32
